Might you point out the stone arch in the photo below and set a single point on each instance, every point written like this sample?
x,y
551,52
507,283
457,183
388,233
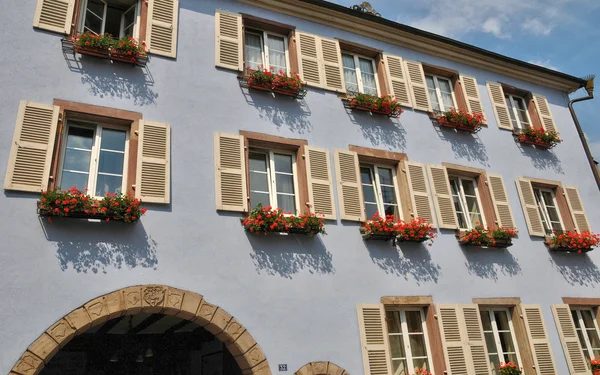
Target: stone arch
x,y
321,368
151,299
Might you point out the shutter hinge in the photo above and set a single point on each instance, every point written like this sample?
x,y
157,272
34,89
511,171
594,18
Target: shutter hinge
x,y
486,182
303,156
133,187
51,178
137,132
435,316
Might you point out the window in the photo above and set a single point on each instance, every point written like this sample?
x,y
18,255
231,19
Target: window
x,y
441,94
587,331
546,202
380,190
266,50
499,338
408,340
519,115
273,179
117,18
94,158
466,202
360,74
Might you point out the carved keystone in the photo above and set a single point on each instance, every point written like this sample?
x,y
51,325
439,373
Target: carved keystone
x,y
153,298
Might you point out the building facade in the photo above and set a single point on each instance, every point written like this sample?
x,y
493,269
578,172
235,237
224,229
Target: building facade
x,y
184,131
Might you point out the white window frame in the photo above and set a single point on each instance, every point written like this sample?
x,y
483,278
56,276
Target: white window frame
x,y
406,335
136,26
271,176
463,201
512,106
374,171
438,92
94,154
264,51
496,333
544,210
583,328
358,72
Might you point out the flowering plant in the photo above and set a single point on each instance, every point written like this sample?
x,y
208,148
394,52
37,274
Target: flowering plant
x,y
73,202
378,225
422,371
480,236
262,77
461,118
267,220
416,230
540,135
595,363
128,46
287,82
90,40
385,104
510,368
580,242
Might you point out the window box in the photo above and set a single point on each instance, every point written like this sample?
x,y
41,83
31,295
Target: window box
x,y
573,241
390,228
266,220
479,236
461,120
279,83
109,53
538,137
370,103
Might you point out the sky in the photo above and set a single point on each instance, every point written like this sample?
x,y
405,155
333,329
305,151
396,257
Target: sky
x,y
563,35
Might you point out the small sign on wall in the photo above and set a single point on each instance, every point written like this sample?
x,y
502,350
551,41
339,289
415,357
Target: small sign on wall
x,y
283,367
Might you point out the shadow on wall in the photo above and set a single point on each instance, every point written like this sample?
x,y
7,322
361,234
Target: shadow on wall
x,y
379,129
114,80
577,269
285,256
490,263
415,260
466,146
96,247
542,159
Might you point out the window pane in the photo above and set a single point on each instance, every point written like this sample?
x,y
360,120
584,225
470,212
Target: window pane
x,y
472,205
112,25
400,367
368,76
485,320
108,184
283,163
588,319
129,21
258,162
393,321
386,176
391,210
593,337
111,162
475,219
553,214
448,101
511,112
495,363
286,202
575,318
512,357
284,183
93,16
113,140
371,209
276,46
397,344
490,342
506,342
70,179
350,73
523,118
369,193
432,93
421,363
468,187
520,104
502,320
76,160
253,51
259,182
430,83
548,198
413,321
417,345
368,188
581,339
388,194
80,137
445,86
256,198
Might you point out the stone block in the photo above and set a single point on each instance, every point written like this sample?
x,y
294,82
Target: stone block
x,y
44,347
28,364
79,320
173,301
153,298
219,321
242,344
115,305
189,306
132,297
232,332
61,332
97,310
205,314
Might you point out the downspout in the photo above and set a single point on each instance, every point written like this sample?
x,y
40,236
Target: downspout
x,y
589,87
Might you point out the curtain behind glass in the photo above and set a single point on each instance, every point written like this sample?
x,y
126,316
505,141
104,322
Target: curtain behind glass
x,y
253,51
350,73
276,47
367,73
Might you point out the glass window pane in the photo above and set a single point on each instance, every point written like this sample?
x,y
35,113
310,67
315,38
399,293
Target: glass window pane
x,y
112,25
93,16
596,353
391,210
490,342
371,209
286,202
575,318
445,86
113,140
258,162
512,357
468,187
472,205
430,83
366,66
553,214
70,179
111,162
448,101
284,183
400,367
276,46
386,177
350,73
256,198
417,345
520,104
506,341
369,194
421,363
259,182
254,51
548,198
80,137
77,160
388,194
593,337
129,21
108,184
413,321
368,76
588,319
475,219
397,345
485,320
581,339
495,363
502,320
283,163
523,118
393,322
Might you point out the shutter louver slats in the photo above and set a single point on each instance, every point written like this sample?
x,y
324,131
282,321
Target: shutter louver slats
x,y
499,105
452,339
162,27
500,200
32,147
471,90
308,58
332,64
444,203
397,79
576,207
416,77
230,173
349,185
320,187
530,208
569,340
228,46
419,191
475,340
543,110
374,339
153,178
54,15
538,339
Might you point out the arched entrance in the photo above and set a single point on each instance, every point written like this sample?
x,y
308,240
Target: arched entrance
x,y
156,301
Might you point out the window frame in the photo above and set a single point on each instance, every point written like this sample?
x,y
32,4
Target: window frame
x,y
94,154
438,92
541,204
582,327
136,25
373,170
495,332
513,108
264,48
462,199
359,81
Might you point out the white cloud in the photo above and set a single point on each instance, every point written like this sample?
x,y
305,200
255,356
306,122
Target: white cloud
x,y
537,26
494,26
544,63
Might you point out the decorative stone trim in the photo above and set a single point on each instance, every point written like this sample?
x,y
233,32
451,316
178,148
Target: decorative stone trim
x,y
152,299
321,368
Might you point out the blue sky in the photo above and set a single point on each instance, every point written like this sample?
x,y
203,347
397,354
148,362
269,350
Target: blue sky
x,y
559,34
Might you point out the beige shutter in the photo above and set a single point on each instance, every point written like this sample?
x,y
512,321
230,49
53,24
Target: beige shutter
x,y
161,27
229,43
538,340
500,200
418,87
477,350
543,110
374,339
419,191
308,59
530,208
576,207
54,15
569,340
396,78
318,176
153,177
452,333
442,197
333,70
499,105
471,91
32,146
349,188
230,173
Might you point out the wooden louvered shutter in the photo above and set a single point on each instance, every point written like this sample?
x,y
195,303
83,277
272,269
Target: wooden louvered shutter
x,y
500,200
472,97
320,187
308,59
543,110
230,173
442,197
530,208
161,34
374,339
569,340
228,46
153,174
576,207
32,146
419,191
54,15
538,340
418,87
350,195
477,350
499,105
452,334
332,70
396,78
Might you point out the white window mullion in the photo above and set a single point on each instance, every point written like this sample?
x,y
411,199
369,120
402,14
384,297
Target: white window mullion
x,y
463,203
378,194
438,93
583,328
93,178
265,38
358,74
272,184
406,338
104,16
496,334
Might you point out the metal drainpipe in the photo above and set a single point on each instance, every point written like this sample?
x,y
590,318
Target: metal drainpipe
x,y
589,87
